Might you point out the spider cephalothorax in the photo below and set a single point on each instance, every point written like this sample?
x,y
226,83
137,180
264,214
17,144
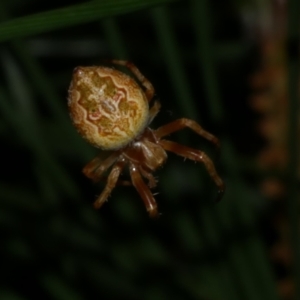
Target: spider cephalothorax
x,y
111,111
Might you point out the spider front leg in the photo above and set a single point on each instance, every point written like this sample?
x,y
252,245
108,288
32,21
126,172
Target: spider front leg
x,y
196,155
112,180
144,81
183,123
143,190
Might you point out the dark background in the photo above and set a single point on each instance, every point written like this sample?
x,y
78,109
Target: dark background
x,y
201,57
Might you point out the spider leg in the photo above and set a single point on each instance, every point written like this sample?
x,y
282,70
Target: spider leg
x,y
149,176
196,155
143,190
144,81
95,168
154,111
182,123
111,183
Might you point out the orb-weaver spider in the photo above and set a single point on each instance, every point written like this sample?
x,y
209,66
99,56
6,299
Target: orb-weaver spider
x,y
110,109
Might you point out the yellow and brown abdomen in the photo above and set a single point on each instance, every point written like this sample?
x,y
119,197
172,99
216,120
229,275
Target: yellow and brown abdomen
x,y
108,107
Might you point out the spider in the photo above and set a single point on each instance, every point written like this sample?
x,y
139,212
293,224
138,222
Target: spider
x,y
110,109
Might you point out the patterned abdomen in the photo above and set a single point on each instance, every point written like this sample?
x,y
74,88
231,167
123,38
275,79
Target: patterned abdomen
x,y
108,107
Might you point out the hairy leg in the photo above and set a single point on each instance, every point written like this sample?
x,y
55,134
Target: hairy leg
x,y
143,190
95,168
196,155
144,81
111,183
183,123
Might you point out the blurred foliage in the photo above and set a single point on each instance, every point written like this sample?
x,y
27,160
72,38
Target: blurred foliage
x,y
54,245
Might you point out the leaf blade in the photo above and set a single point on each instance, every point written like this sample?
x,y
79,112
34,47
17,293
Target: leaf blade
x,y
72,15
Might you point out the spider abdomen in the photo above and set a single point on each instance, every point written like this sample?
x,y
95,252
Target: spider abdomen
x,y
108,107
